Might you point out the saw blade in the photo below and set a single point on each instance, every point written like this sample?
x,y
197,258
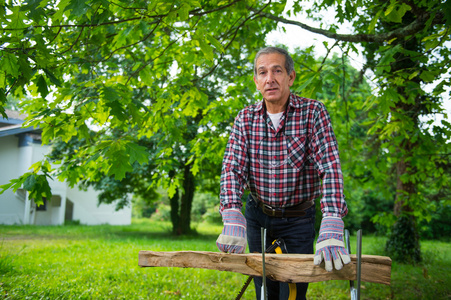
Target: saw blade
x,y
243,289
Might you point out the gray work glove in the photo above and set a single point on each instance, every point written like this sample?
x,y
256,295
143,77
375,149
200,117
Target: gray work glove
x,y
330,246
233,237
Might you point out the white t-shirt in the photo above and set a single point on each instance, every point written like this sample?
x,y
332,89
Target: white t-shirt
x,y
275,118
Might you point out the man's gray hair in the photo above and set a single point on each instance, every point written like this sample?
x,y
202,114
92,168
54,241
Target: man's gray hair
x,y
289,64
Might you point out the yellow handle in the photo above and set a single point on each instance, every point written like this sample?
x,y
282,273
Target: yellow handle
x,y
291,286
293,291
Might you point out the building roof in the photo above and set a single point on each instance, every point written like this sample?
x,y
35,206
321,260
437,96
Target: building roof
x,y
14,117
13,124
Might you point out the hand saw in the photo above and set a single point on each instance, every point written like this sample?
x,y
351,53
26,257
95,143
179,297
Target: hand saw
x,y
279,247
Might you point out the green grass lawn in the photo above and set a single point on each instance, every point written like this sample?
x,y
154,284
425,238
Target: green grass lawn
x,y
101,262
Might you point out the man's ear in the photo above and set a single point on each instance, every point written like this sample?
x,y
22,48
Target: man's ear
x,y
256,83
292,77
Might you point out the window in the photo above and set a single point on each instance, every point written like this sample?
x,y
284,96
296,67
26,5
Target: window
x,y
42,207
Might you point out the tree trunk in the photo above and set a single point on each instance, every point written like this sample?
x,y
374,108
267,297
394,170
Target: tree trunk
x,y
403,189
175,218
174,201
186,201
404,243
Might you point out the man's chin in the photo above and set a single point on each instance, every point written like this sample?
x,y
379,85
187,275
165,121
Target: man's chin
x,y
272,97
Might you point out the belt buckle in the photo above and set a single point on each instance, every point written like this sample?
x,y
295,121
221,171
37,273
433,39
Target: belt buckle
x,y
271,209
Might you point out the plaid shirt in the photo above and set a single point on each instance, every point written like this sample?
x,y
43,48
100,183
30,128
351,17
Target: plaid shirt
x,y
284,167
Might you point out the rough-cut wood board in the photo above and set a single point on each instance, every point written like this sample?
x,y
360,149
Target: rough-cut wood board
x,y
279,267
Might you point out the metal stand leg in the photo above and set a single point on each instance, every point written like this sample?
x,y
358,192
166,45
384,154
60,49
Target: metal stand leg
x,y
355,292
263,291
359,261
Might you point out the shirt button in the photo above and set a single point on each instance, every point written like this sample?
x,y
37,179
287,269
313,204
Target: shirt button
x,y
275,157
274,194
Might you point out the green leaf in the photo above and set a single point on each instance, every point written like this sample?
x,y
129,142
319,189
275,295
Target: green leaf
x,y
388,57
146,75
78,7
184,12
117,110
30,183
14,184
195,168
206,49
52,78
48,133
2,83
109,93
306,82
413,75
390,8
120,164
2,101
37,186
137,153
172,189
41,189
373,22
42,86
395,12
215,43
9,64
25,69
17,18
428,76
58,16
35,9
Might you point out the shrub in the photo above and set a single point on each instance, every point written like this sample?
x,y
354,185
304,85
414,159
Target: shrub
x,y
162,213
212,215
403,244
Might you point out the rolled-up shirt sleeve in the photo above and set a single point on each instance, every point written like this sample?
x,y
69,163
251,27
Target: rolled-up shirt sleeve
x,y
325,155
235,167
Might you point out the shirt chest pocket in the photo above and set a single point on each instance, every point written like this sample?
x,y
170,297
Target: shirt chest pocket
x,y
297,151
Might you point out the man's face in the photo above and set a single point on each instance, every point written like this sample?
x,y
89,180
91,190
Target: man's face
x,y
272,79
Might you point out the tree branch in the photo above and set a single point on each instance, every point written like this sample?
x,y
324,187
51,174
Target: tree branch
x,y
410,29
76,41
235,32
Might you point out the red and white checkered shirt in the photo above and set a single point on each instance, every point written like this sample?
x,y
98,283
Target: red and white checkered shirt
x,y
284,167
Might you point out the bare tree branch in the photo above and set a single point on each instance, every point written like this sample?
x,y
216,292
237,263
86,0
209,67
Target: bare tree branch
x,y
410,29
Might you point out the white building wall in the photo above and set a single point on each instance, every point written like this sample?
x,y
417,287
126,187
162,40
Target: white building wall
x,y
15,161
11,206
90,213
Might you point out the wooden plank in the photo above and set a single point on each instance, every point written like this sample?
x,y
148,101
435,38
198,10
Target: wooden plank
x,y
279,267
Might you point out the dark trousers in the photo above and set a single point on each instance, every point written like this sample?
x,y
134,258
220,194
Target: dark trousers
x,y
298,234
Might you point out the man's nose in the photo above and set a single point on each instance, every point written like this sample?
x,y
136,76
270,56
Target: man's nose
x,y
270,77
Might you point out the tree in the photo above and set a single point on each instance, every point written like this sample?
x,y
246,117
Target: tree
x,y
109,74
405,45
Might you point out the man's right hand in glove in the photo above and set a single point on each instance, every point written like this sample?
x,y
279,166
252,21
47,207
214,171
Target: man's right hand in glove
x,y
233,237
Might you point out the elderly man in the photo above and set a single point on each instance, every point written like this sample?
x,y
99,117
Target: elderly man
x,y
284,151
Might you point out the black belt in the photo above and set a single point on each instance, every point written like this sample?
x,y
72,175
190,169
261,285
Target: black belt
x,y
286,212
